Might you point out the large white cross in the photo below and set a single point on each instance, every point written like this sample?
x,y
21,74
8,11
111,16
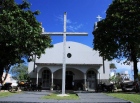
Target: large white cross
x,y
64,33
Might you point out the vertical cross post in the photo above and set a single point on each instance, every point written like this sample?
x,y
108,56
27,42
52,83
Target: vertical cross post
x,y
64,33
64,57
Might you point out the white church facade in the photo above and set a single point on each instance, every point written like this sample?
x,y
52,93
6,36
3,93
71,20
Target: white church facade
x,y
84,67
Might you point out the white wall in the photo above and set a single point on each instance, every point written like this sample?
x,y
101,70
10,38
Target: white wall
x,y
81,54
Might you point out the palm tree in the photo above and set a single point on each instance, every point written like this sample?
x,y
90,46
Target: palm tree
x,y
112,66
112,69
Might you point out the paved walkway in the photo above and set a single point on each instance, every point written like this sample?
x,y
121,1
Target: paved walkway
x,y
35,97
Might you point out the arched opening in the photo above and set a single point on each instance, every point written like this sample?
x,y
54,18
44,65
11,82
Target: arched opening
x,y
91,80
46,78
69,80
74,78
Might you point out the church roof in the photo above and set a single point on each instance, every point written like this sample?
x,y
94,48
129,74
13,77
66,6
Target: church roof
x,y
76,53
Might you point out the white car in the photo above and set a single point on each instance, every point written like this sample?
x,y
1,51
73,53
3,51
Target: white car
x,y
14,85
0,86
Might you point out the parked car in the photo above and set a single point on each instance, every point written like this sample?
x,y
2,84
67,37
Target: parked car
x,y
0,86
128,86
7,86
14,85
10,86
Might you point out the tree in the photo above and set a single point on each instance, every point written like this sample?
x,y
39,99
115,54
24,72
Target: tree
x,y
112,69
112,66
113,79
117,36
117,78
139,75
20,34
20,72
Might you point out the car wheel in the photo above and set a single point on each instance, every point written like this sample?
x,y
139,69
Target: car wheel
x,y
10,89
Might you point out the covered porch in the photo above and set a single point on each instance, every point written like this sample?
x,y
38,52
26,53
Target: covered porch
x,y
78,76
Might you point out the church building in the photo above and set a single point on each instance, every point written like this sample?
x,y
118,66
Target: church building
x,y
84,67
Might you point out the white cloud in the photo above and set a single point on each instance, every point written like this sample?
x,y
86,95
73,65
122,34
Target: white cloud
x,y
121,67
72,26
68,21
61,18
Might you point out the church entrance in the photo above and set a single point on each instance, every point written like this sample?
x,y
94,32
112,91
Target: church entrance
x,y
91,80
46,79
69,80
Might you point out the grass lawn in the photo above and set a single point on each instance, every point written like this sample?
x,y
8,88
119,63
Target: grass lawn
x,y
5,94
71,96
135,98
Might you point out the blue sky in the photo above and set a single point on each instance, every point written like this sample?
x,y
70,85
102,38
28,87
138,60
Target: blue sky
x,y
81,16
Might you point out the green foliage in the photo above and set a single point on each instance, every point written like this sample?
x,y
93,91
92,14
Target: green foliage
x,y
139,76
117,79
112,79
20,72
5,94
112,66
20,34
117,36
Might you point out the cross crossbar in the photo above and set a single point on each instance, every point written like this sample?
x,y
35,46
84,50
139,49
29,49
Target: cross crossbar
x,y
67,33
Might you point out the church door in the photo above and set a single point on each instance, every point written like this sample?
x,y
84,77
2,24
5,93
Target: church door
x,y
46,79
91,80
69,80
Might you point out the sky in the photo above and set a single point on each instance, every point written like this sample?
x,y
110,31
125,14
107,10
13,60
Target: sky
x,y
81,16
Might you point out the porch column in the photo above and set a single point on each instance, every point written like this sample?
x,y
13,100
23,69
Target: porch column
x,y
85,77
98,77
37,78
52,82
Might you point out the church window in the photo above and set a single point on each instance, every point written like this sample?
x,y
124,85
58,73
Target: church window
x,y
91,74
69,55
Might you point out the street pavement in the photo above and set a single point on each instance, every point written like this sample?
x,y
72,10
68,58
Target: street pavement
x,y
35,97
